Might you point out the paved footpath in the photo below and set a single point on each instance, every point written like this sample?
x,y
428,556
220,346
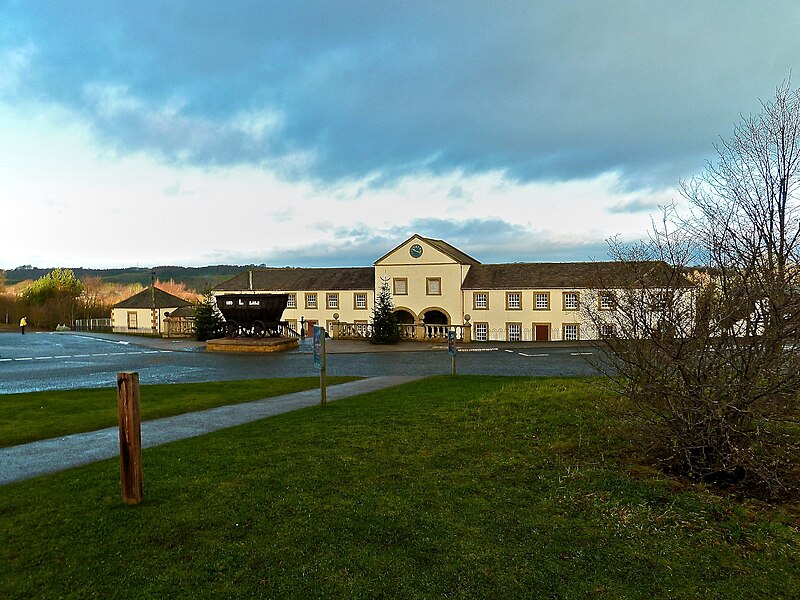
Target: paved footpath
x,y
26,461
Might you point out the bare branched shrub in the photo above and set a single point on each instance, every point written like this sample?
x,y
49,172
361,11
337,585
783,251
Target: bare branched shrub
x,y
703,332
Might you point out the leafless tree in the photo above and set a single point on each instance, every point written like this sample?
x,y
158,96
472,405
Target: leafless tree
x,y
703,333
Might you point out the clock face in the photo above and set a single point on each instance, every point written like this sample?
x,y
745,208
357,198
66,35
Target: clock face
x,y
415,251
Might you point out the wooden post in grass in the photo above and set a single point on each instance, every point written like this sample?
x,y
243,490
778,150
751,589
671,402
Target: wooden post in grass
x,y
130,437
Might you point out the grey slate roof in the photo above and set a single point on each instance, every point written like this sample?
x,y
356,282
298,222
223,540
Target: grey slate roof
x,y
144,299
573,275
288,279
452,251
183,311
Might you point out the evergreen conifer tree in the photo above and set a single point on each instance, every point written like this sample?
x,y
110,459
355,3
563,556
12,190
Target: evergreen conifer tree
x,y
207,322
384,321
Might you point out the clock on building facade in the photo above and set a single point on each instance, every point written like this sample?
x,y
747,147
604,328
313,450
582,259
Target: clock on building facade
x,y
415,251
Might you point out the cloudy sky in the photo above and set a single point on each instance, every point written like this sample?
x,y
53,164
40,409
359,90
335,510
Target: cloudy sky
x,y
324,133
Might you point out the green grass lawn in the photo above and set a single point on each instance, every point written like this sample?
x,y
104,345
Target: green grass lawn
x,y
465,487
41,415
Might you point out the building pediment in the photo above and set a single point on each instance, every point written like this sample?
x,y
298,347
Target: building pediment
x,y
426,251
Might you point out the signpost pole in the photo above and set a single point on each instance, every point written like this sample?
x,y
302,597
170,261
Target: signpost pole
x,y
451,348
319,361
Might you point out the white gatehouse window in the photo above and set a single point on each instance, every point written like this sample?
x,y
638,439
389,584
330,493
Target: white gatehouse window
x,y
607,301
481,332
514,332
311,300
481,300
360,301
542,300
513,300
570,331
400,286
571,300
291,301
333,300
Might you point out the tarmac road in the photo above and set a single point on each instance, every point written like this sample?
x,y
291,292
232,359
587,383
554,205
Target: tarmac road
x,y
54,361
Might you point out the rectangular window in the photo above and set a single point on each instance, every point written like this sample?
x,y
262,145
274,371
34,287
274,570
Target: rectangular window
x,y
662,300
433,286
133,320
400,286
542,300
311,300
514,332
291,301
570,331
480,300
607,301
360,301
513,300
571,300
481,332
606,330
333,300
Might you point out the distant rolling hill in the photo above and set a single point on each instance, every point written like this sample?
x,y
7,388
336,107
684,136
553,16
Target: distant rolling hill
x,y
195,278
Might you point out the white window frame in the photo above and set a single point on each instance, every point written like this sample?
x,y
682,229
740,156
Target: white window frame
x,y
480,300
572,300
607,300
541,295
518,300
332,300
481,332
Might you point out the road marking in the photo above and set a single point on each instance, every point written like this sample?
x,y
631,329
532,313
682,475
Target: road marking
x,y
43,357
580,353
509,351
63,356
80,356
533,355
5,359
23,358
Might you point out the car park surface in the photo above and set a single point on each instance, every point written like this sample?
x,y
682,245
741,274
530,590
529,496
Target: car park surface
x,y
68,360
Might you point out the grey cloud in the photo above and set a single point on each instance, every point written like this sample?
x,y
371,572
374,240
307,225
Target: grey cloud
x,y
637,205
541,90
487,240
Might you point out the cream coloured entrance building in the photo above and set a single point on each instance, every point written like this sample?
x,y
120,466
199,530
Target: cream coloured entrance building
x,y
436,287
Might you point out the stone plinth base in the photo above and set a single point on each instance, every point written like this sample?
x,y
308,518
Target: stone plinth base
x,y
244,344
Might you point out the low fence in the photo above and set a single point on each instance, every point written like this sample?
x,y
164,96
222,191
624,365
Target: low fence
x,y
408,331
102,325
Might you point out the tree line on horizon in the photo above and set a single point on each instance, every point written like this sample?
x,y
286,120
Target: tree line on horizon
x,y
60,297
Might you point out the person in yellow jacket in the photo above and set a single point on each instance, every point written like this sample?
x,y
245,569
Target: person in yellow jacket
x,y
23,322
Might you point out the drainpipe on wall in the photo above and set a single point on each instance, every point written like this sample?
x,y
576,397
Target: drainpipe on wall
x,y
250,274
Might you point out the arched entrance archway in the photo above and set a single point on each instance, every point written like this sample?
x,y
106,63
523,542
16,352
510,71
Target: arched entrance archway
x,y
435,316
404,317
